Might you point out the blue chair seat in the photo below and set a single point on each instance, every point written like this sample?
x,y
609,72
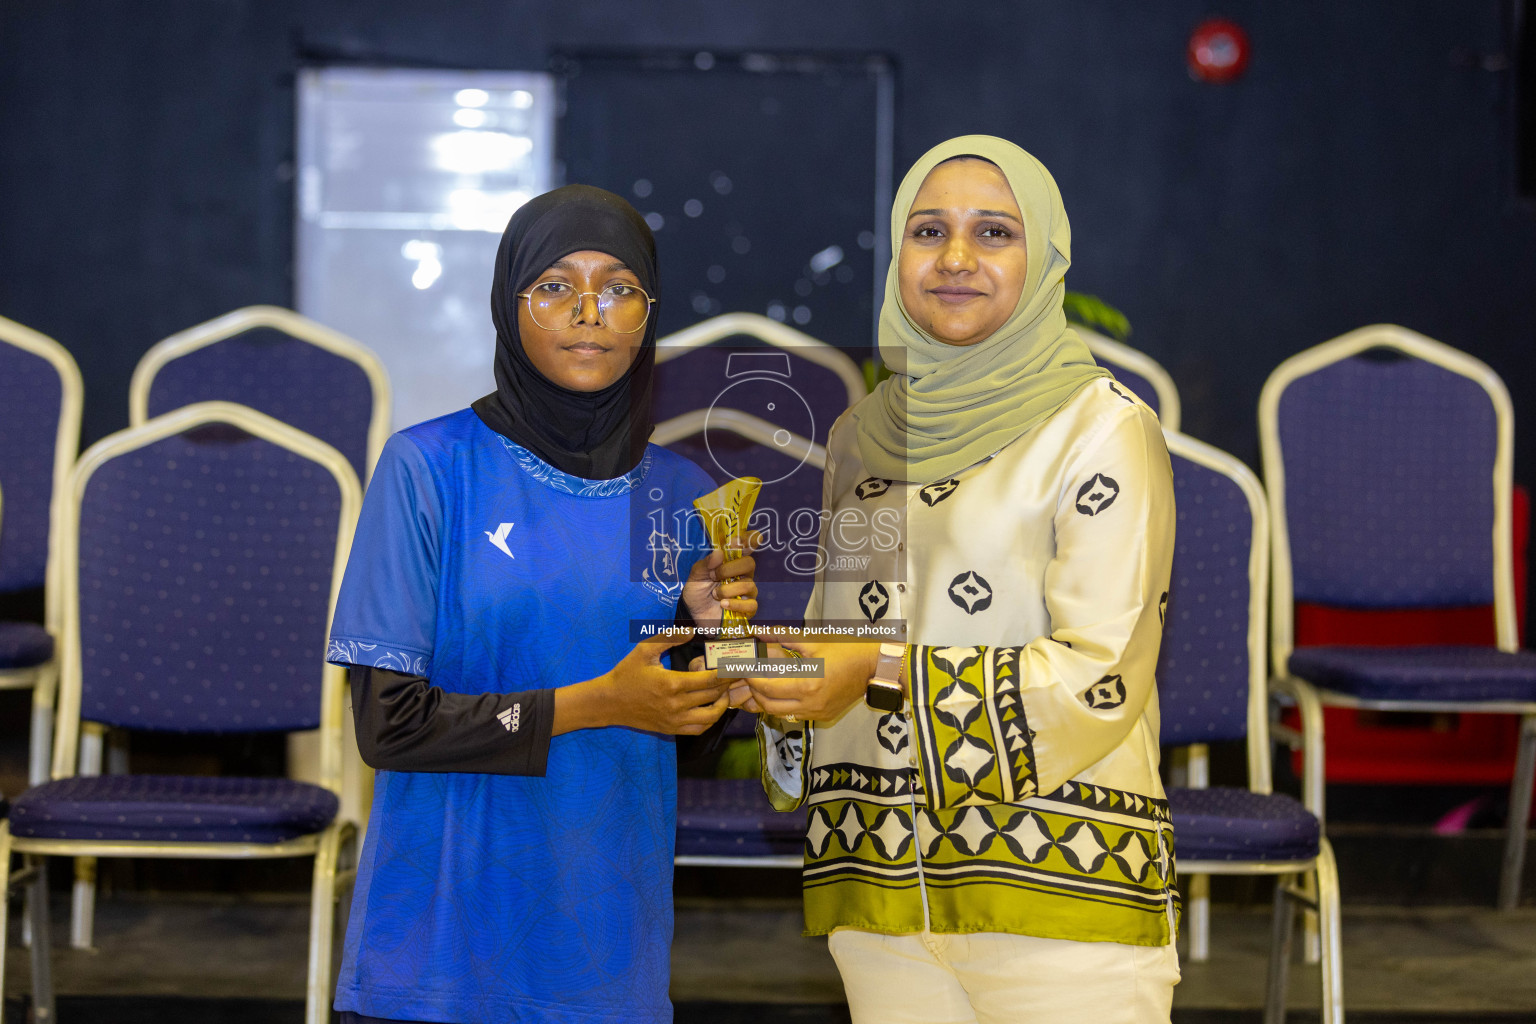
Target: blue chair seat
x,y
173,808
24,645
732,818
1419,673
1228,823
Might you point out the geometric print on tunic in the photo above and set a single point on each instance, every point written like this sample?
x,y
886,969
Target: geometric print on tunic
x,y
872,488
935,493
842,827
892,732
1118,849
991,847
1101,862
1102,799
1097,495
874,600
970,592
859,781
1105,694
974,741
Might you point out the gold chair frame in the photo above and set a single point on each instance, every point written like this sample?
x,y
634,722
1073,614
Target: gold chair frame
x,y
333,848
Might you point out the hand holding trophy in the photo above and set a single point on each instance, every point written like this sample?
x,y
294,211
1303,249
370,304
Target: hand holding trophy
x,y
725,512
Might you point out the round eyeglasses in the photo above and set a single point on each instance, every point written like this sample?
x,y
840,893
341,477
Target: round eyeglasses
x,y
622,308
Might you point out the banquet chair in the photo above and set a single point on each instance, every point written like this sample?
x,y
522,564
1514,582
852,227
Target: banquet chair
x,y
1211,688
784,376
277,362
200,556
1387,457
1139,372
303,374
41,398
729,822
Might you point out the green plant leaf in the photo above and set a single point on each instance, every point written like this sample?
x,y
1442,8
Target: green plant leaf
x,y
1093,312
874,374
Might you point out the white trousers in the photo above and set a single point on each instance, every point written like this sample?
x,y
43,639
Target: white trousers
x,y
995,978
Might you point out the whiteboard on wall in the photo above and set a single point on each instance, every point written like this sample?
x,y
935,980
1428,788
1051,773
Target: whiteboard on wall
x,y
406,180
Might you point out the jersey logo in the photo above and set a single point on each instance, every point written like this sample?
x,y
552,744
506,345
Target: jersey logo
x,y
664,552
509,717
499,538
661,577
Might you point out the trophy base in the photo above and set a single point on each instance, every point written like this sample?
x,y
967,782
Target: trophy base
x,y
716,651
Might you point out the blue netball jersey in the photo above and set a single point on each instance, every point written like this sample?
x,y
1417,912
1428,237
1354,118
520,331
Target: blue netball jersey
x,y
502,898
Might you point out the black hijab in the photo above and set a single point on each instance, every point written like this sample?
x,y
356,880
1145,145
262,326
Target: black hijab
x,y
598,435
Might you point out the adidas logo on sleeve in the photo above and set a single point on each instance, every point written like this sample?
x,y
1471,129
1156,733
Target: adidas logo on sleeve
x,y
509,717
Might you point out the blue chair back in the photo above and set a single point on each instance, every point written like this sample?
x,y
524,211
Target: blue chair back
x,y
1388,467
1139,373
769,383
319,392
1211,678
279,363
206,563
39,427
1205,665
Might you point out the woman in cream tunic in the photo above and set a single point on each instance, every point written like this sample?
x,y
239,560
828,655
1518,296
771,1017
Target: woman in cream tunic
x,y
999,848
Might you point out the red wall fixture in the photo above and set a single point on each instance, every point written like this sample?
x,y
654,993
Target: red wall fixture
x,y
1218,51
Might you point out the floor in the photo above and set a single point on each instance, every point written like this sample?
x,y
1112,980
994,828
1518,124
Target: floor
x,y
1458,963
1422,944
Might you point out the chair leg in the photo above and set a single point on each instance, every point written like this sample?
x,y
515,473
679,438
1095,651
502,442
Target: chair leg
x,y
42,946
1279,954
40,757
1519,815
1198,908
5,901
1331,962
322,925
40,743
1311,944
82,903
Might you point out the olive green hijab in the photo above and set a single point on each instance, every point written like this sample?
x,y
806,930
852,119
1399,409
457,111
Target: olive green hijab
x,y
948,406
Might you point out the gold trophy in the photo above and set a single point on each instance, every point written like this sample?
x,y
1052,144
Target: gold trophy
x,y
725,513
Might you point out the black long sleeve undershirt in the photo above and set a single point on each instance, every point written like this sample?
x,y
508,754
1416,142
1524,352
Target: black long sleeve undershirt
x,y
406,724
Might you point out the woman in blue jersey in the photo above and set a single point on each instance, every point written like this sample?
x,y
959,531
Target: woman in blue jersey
x,y
518,861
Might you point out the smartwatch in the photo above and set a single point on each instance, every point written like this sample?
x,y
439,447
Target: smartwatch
x,y
884,692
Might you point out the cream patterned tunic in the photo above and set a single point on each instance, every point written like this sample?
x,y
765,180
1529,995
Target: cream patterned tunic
x,y
1019,790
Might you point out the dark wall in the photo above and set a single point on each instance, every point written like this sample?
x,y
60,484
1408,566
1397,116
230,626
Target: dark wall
x,y
1360,172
